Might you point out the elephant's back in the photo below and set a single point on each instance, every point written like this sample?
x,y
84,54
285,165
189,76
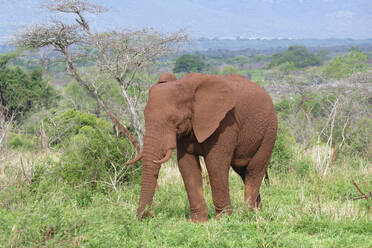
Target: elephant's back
x,y
250,97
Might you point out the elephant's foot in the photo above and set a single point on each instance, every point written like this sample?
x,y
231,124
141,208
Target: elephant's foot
x,y
255,203
221,212
199,217
144,213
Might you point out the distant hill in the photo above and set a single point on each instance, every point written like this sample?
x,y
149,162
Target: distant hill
x,y
225,47
235,44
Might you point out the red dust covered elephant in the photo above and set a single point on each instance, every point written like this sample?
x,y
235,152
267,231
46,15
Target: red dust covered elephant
x,y
228,120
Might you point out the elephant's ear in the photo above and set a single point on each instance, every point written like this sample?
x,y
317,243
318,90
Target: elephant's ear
x,y
166,77
212,100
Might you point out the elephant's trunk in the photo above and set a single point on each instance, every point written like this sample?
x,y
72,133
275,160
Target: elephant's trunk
x,y
153,153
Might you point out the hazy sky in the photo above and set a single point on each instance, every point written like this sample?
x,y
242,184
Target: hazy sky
x,y
218,18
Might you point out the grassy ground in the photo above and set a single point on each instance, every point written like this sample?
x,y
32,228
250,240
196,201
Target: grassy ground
x,y
299,210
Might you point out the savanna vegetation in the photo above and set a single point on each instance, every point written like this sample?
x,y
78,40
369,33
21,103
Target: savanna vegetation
x,y
70,119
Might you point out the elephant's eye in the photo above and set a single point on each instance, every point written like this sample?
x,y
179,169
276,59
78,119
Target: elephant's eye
x,y
178,127
172,119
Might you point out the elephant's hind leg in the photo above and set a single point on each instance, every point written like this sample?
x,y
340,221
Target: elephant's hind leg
x,y
256,170
218,171
252,184
240,171
218,161
190,169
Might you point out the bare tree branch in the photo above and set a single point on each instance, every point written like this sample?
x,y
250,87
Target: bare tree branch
x,y
122,54
74,6
360,191
119,54
56,34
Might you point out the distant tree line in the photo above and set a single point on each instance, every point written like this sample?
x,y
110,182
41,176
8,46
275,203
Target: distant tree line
x,y
295,57
189,63
21,90
345,65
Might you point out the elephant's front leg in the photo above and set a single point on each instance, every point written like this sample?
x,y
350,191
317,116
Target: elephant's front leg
x,y
191,173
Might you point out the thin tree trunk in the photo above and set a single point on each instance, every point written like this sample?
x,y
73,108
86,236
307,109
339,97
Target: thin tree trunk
x,y
134,115
5,128
112,116
98,110
44,138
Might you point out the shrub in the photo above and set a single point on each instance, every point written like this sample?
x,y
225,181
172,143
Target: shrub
x,y
286,67
93,153
361,78
345,65
340,113
317,104
282,154
62,127
189,63
359,140
80,97
21,91
302,166
295,57
286,106
229,69
20,141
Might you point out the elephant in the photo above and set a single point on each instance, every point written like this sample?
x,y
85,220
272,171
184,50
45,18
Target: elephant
x,y
228,120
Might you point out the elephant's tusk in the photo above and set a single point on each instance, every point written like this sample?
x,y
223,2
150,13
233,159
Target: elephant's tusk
x,y
166,157
134,160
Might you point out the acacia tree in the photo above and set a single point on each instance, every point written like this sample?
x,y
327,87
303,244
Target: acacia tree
x,y
117,55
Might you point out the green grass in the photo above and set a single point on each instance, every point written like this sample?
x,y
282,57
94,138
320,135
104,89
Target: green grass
x,y
298,211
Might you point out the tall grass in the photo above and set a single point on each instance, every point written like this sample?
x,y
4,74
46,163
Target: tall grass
x,y
300,209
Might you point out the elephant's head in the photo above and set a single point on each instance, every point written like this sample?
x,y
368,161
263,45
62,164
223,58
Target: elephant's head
x,y
166,77
194,104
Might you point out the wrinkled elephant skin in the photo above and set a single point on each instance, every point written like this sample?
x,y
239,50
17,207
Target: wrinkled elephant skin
x,y
228,120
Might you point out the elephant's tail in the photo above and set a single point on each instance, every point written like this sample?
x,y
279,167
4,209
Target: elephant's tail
x,y
267,179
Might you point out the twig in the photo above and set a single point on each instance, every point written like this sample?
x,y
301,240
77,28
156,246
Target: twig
x,y
361,192
26,177
361,197
334,156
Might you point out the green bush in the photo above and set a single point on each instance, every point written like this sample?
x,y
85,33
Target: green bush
x,y
286,106
295,57
308,115
62,127
22,91
93,153
189,63
359,140
286,67
282,154
20,141
229,69
345,65
80,97
302,166
316,104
